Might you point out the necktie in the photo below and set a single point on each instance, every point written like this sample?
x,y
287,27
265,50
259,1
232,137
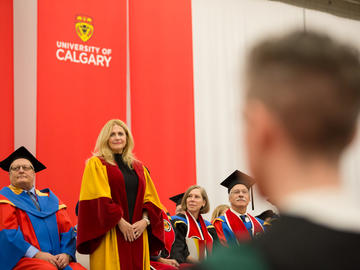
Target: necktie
x,y
243,218
33,198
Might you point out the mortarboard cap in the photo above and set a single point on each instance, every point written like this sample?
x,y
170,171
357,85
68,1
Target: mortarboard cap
x,y
177,198
21,152
267,214
237,177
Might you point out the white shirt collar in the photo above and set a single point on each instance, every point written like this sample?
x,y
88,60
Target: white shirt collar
x,y
32,190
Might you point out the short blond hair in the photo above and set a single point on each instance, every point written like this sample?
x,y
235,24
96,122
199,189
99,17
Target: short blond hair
x,y
102,148
204,195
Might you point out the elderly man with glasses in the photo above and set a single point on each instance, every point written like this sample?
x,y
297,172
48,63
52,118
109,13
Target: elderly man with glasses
x,y
236,225
35,229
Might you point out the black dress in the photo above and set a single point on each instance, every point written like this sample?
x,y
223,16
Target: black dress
x,y
131,183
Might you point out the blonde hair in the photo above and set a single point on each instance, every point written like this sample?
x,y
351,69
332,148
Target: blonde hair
x,y
102,148
204,195
218,210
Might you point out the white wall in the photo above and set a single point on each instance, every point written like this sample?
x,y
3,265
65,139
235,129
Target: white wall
x,y
25,47
223,31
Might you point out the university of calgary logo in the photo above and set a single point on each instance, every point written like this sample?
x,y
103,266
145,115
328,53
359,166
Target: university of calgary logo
x,y
84,27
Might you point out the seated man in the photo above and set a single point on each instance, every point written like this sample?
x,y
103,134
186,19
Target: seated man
x,y
35,229
236,225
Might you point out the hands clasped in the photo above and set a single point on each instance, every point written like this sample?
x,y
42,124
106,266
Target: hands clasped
x,y
60,261
132,231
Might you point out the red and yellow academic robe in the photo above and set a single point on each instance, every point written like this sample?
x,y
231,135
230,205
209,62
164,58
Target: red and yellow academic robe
x,y
231,229
103,203
22,224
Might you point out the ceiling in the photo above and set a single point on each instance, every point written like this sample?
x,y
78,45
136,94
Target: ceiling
x,y
343,8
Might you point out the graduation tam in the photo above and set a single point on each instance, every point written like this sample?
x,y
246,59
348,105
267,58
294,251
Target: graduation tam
x,y
238,177
21,152
177,198
267,214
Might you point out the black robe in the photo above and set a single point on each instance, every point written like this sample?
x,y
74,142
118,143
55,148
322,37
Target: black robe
x,y
179,250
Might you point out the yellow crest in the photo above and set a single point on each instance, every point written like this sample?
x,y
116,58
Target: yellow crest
x,y
84,28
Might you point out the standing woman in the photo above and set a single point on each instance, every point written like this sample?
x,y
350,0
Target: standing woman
x,y
191,225
118,204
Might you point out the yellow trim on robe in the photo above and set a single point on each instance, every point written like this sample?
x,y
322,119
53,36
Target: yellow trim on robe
x,y
95,183
39,193
178,221
197,244
266,223
164,208
16,190
62,206
8,202
216,220
150,194
106,256
146,252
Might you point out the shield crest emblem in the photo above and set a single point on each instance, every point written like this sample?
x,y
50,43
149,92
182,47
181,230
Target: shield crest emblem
x,y
167,226
84,28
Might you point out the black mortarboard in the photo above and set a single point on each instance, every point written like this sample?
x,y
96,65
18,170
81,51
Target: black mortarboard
x,y
21,152
177,198
238,177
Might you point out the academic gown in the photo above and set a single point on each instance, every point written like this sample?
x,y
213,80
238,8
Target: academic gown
x,y
179,250
22,225
103,202
231,229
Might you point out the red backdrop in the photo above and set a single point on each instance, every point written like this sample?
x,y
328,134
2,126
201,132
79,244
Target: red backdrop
x,y
162,99
76,94
7,90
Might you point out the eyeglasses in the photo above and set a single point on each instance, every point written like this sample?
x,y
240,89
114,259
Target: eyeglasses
x,y
25,168
237,192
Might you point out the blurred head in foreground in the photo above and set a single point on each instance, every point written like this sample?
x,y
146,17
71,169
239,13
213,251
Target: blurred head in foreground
x,y
302,103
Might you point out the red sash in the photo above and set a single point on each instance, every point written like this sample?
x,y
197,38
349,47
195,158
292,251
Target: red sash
x,y
169,233
194,231
237,226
